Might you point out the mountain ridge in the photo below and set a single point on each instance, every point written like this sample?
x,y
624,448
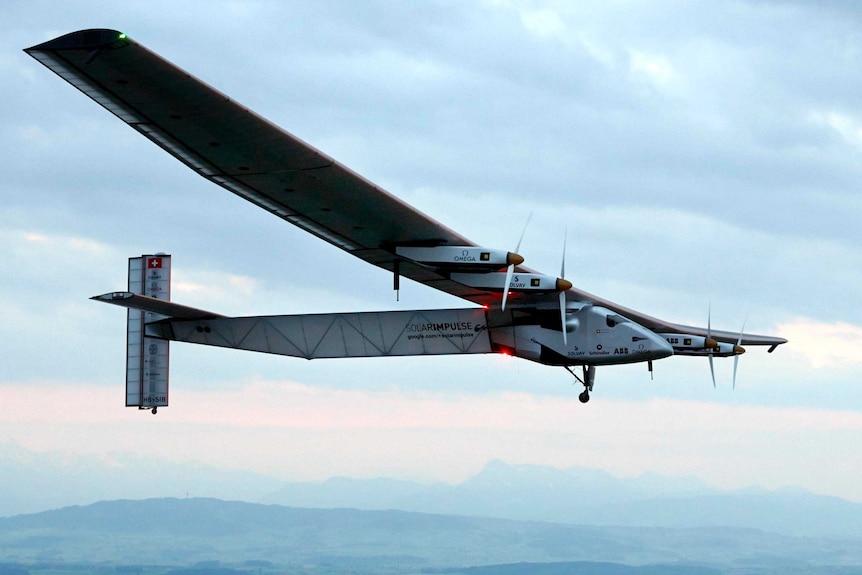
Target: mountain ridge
x,y
585,496
196,530
577,495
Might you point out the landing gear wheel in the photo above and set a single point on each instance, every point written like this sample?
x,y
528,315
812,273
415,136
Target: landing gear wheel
x,y
155,409
587,380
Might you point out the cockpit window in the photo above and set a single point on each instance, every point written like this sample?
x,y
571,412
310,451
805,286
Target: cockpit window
x,y
613,320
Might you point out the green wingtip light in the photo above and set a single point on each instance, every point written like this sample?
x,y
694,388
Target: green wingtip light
x,y
122,36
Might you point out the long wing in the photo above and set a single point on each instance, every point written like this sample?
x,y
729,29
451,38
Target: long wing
x,y
235,148
255,159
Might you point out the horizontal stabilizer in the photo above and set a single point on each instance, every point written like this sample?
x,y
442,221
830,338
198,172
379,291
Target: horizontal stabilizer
x,y
162,307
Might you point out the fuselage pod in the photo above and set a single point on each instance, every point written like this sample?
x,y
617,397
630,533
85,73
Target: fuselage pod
x,y
595,336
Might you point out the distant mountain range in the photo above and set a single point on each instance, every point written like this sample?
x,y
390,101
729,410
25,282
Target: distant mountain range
x,y
575,496
36,481
590,497
217,536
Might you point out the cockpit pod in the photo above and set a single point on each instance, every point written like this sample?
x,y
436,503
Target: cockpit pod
x,y
595,336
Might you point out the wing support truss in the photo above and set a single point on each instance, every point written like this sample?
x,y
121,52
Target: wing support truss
x,y
367,334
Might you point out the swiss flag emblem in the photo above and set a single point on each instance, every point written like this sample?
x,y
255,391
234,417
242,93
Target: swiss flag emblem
x,y
154,263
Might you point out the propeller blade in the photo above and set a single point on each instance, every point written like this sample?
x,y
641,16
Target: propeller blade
x,y
511,269
739,350
712,371
708,337
735,365
563,316
563,265
523,232
563,293
709,321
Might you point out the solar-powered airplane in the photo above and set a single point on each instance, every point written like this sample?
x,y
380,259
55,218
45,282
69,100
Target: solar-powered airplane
x,y
520,312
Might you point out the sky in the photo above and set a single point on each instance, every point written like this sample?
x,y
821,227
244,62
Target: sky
x,y
702,160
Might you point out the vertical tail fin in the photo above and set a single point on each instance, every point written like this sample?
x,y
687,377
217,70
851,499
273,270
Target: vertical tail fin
x,y
147,358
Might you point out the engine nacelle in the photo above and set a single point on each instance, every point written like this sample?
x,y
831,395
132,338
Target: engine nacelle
x,y
700,346
496,281
459,256
684,342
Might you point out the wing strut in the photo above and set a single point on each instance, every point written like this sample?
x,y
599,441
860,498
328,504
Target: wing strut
x,y
396,278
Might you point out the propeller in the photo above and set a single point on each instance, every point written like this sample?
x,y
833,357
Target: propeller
x,y
708,337
511,269
563,292
739,350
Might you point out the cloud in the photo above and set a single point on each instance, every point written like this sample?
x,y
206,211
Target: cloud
x,y
290,429
212,285
656,69
544,23
826,345
848,127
